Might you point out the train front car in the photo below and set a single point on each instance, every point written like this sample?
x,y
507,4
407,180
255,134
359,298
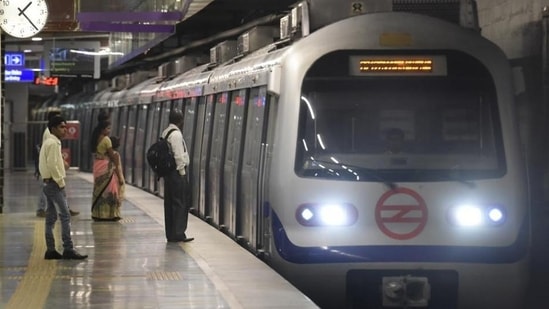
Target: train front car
x,y
396,178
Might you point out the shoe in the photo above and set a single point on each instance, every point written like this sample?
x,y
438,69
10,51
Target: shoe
x,y
74,213
41,213
187,239
73,255
52,255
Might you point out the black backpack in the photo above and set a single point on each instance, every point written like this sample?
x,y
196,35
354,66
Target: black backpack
x,y
160,156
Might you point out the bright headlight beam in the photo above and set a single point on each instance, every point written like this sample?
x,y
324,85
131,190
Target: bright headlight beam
x,y
307,214
468,216
333,215
496,215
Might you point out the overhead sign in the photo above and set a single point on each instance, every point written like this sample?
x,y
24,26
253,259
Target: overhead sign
x,y
72,59
19,75
128,21
46,81
12,59
15,70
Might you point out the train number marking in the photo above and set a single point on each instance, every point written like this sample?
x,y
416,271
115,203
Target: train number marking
x,y
401,213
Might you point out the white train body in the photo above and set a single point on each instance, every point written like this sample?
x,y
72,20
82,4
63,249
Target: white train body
x,y
290,156
409,231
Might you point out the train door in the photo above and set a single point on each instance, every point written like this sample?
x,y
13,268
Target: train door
x,y
152,136
178,104
232,162
129,156
85,155
197,150
123,121
190,109
115,122
251,215
189,126
139,150
93,124
217,157
165,108
209,117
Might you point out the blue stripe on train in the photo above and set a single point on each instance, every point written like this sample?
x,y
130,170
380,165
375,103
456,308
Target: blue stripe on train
x,y
360,254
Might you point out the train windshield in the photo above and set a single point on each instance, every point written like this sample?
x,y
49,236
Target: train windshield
x,y
419,126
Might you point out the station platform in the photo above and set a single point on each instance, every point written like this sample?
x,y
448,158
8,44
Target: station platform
x,y
130,264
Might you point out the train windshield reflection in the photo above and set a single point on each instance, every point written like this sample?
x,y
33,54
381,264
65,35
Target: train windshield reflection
x,y
403,128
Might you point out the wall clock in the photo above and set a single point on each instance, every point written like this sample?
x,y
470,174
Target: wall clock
x,y
23,18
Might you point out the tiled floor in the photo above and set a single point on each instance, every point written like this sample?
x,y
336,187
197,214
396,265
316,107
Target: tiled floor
x,y
130,265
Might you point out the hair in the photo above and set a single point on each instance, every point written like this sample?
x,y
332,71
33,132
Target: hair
x,y
103,116
176,116
96,132
55,121
115,142
53,113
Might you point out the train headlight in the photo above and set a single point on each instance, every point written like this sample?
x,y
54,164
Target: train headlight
x,y
317,214
476,215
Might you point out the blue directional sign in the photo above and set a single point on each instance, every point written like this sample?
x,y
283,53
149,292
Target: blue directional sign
x,y
12,59
18,75
15,71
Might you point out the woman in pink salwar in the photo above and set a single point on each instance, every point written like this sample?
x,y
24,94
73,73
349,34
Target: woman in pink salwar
x,y
108,181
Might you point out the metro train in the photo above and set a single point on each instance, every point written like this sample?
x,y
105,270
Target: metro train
x,y
374,161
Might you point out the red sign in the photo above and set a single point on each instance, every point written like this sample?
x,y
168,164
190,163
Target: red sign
x,y
66,153
73,130
401,213
46,81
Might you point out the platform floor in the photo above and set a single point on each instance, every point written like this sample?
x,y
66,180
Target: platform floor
x,y
130,264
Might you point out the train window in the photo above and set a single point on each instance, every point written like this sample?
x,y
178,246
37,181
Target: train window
x,y
219,130
235,124
399,128
255,126
178,104
189,124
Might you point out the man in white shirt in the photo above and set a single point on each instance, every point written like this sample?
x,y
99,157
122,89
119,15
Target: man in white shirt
x,y
176,183
41,212
52,170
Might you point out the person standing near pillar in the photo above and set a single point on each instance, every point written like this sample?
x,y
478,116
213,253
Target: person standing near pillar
x,y
52,170
41,211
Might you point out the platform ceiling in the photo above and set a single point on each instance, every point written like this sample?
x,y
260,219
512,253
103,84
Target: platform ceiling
x,y
202,19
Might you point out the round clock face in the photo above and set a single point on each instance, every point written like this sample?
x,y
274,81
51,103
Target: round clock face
x,y
23,18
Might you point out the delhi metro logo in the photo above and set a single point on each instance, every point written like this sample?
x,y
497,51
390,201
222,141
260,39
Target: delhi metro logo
x,y
401,213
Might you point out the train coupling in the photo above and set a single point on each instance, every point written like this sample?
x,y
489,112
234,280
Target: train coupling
x,y
405,292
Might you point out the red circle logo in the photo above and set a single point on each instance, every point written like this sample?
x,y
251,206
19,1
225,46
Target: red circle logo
x,y
401,213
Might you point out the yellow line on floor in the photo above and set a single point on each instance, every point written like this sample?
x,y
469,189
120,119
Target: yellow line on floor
x,y
34,288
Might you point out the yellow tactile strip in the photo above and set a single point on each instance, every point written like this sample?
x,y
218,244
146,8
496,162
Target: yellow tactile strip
x,y
163,275
39,275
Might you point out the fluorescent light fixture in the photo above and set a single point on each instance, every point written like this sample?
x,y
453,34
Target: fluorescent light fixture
x,y
99,53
